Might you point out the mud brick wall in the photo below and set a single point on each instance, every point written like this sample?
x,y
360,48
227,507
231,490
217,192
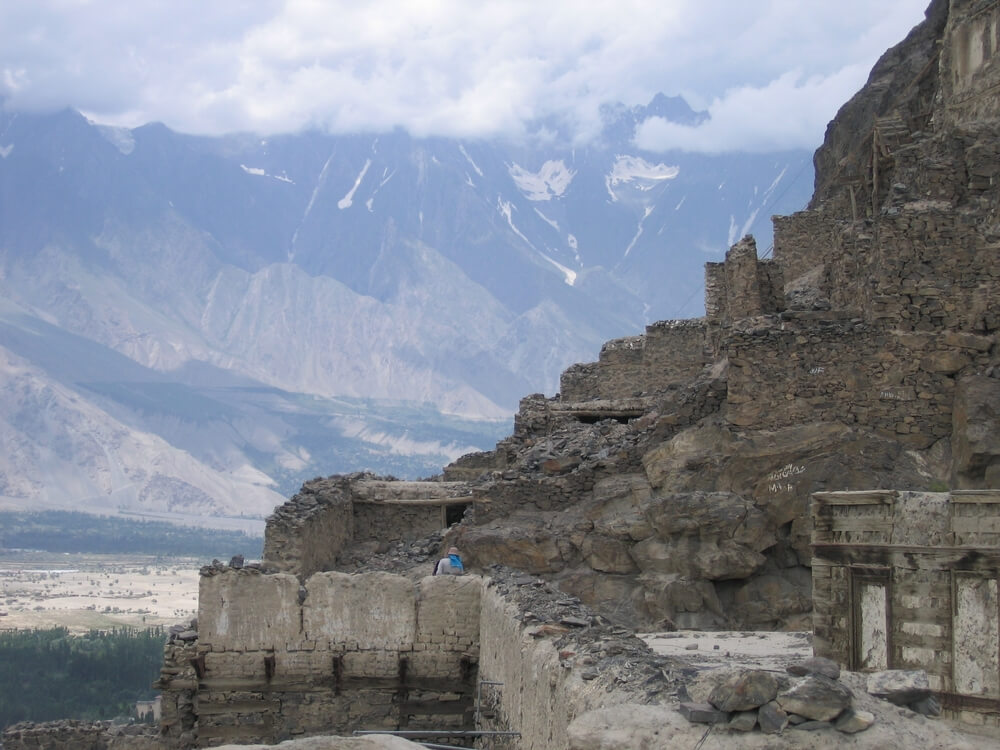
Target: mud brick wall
x,y
533,698
343,652
908,580
813,369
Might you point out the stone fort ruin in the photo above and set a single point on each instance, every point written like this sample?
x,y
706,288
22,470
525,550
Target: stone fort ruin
x,y
822,447
669,484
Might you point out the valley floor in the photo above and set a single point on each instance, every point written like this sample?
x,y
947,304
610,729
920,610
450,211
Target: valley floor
x,y
84,592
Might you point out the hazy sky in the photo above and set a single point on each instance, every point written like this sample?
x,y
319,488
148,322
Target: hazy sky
x,y
771,72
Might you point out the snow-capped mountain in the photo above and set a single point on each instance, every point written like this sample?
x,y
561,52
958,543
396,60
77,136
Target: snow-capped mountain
x,y
255,311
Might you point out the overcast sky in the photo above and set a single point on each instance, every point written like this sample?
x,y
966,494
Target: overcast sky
x,y
771,72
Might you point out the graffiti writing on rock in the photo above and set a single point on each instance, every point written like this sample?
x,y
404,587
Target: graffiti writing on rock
x,y
785,472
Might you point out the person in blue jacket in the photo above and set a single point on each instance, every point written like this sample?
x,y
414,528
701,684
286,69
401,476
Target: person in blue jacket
x,y
450,565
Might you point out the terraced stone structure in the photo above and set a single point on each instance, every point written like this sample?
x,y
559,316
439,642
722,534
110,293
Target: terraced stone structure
x,y
669,483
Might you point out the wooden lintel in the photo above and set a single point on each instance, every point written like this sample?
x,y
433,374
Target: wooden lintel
x,y
912,558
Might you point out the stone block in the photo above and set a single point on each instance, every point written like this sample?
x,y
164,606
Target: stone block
x,y
743,721
816,665
815,697
702,713
745,691
772,718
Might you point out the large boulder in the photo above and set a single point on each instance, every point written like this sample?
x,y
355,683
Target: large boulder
x,y
525,545
710,535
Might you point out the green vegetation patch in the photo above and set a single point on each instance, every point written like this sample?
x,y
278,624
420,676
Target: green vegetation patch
x,y
50,674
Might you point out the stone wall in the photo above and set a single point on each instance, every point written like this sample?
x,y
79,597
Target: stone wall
x,y
820,367
803,242
311,532
932,269
72,734
742,286
275,659
907,580
669,353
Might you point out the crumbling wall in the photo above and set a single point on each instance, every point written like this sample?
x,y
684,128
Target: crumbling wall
x,y
526,691
670,352
742,286
73,734
908,580
311,531
275,659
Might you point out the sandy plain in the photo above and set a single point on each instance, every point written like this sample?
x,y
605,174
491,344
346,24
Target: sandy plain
x,y
84,592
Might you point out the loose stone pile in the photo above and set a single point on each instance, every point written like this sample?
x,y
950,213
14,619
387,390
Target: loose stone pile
x,y
809,697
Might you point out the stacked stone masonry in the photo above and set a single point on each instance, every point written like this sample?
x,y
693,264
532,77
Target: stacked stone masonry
x,y
670,353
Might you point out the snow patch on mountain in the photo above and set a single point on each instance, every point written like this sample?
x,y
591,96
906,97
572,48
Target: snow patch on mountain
x,y
121,138
548,182
745,229
506,209
638,231
569,275
348,200
475,166
734,232
638,172
774,184
547,220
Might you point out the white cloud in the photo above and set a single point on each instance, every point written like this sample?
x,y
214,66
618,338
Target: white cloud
x,y
789,112
445,67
